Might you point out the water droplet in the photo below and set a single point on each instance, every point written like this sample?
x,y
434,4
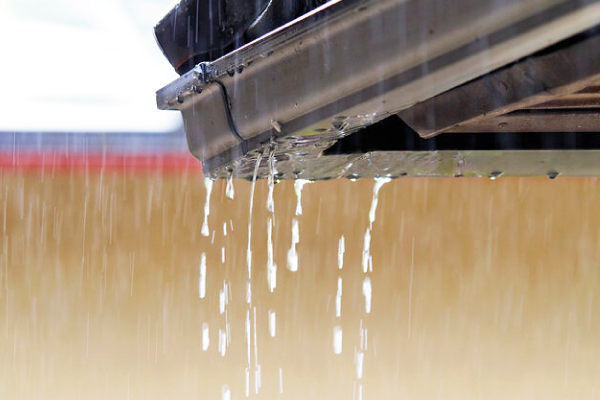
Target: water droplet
x,y
338,125
223,298
208,184
205,337
495,174
257,379
272,276
272,323
459,166
292,259
553,174
202,277
367,292
341,250
222,343
270,202
360,359
366,250
337,340
225,393
338,299
248,293
280,380
247,382
368,119
276,125
363,336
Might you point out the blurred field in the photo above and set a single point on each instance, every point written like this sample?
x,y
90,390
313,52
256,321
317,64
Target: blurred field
x,y
500,298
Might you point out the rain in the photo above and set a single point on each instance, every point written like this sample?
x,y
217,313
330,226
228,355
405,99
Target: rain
x,y
351,273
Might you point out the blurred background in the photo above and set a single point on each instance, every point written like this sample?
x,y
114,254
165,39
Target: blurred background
x,y
480,288
83,66
80,77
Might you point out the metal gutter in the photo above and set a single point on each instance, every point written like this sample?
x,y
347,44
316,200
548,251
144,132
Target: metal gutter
x,y
351,63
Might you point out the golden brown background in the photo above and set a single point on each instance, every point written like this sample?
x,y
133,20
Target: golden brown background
x,y
99,288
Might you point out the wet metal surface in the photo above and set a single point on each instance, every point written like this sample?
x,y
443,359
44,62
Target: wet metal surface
x,y
339,65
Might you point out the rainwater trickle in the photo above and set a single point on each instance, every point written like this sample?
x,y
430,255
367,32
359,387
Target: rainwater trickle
x,y
208,184
337,340
292,255
202,277
205,337
229,190
272,323
271,266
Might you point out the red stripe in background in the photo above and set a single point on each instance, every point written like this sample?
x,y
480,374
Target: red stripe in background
x,y
61,161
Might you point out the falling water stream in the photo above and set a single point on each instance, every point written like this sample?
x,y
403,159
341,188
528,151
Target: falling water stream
x,y
292,255
253,367
230,190
208,184
251,309
271,266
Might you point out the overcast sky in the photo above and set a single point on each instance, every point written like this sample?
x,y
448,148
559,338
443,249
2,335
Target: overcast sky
x,y
82,65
